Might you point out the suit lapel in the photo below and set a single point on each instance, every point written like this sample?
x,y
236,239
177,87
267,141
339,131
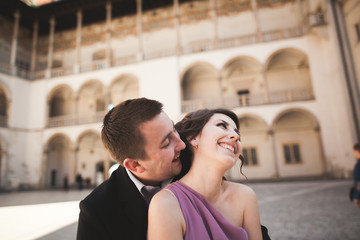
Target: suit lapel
x,y
132,202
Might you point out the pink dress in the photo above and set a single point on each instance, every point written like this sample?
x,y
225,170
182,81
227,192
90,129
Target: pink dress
x,y
203,221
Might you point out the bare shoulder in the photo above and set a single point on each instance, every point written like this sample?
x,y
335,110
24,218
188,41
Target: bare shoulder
x,y
165,198
164,210
241,190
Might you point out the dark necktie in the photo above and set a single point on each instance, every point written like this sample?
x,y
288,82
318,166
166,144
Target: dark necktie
x,y
148,192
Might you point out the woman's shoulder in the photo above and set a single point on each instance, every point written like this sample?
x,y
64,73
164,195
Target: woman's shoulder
x,y
165,198
241,190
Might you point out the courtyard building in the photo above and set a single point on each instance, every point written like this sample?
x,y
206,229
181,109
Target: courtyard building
x,y
289,69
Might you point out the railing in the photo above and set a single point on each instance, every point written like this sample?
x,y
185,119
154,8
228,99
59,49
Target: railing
x,y
247,100
73,119
193,47
3,121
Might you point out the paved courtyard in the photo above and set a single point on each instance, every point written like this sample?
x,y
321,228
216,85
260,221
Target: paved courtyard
x,y
290,210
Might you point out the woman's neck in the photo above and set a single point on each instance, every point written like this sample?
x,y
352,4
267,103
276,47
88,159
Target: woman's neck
x,y
207,181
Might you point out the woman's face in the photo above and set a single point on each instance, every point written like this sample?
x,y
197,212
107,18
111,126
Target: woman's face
x,y
219,139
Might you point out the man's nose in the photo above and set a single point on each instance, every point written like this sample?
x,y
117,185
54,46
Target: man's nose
x,y
181,144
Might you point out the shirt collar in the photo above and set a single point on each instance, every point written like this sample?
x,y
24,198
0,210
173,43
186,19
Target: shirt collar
x,y
139,184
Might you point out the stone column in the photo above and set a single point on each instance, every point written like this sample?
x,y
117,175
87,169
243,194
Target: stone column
x,y
14,42
273,145
51,47
108,34
34,45
177,27
78,42
256,18
139,29
75,166
266,87
214,19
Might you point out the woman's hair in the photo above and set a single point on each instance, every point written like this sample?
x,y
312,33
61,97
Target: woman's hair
x,y
192,125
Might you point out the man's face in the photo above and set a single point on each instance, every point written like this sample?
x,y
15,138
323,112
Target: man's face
x,y
162,146
357,154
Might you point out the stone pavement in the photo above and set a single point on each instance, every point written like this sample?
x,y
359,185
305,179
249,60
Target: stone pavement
x,y
290,210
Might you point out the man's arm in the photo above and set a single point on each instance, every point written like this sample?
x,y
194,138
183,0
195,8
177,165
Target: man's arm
x,y
90,226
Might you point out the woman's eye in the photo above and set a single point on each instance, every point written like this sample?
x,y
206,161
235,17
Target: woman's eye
x,y
221,125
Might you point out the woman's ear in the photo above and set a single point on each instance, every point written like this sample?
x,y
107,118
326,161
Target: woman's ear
x,y
194,143
133,165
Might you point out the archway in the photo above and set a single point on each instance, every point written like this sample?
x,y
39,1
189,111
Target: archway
x,y
288,76
200,83
298,144
60,160
243,81
124,87
90,157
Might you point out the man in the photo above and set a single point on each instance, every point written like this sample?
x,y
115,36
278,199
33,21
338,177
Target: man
x,y
356,193
142,138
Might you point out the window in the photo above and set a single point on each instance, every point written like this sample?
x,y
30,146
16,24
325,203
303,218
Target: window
x,y
250,156
292,153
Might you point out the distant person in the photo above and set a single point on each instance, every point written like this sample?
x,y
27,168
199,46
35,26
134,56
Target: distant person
x,y
356,189
66,182
79,181
202,205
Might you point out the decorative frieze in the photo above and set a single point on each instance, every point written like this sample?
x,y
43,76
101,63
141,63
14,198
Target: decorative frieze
x,y
232,7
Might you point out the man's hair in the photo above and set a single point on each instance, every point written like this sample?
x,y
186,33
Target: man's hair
x,y
121,134
357,147
192,125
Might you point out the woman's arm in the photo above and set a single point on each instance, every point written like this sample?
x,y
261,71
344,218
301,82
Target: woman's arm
x,y
166,220
251,215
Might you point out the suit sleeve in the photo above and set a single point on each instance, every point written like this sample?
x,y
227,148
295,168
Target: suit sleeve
x,y
90,226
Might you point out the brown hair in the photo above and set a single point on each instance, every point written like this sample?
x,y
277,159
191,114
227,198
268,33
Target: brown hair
x,y
191,126
357,147
121,134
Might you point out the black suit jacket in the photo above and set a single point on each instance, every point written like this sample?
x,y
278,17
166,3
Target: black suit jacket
x,y
117,210
114,210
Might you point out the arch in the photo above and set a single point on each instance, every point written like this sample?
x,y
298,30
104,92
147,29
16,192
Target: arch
x,y
288,77
99,55
286,57
259,161
57,63
243,80
198,77
286,118
91,97
59,160
298,143
61,101
90,156
125,86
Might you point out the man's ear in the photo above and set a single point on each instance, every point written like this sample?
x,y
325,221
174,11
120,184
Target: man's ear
x,y
133,165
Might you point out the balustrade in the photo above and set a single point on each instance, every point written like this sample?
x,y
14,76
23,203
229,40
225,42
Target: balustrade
x,y
248,100
73,119
3,121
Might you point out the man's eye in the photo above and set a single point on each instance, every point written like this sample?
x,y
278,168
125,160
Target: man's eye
x,y
167,143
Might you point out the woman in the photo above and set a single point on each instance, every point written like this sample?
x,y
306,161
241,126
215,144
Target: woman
x,y
201,205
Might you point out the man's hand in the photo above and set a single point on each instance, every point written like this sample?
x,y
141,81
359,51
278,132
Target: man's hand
x,y
357,202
